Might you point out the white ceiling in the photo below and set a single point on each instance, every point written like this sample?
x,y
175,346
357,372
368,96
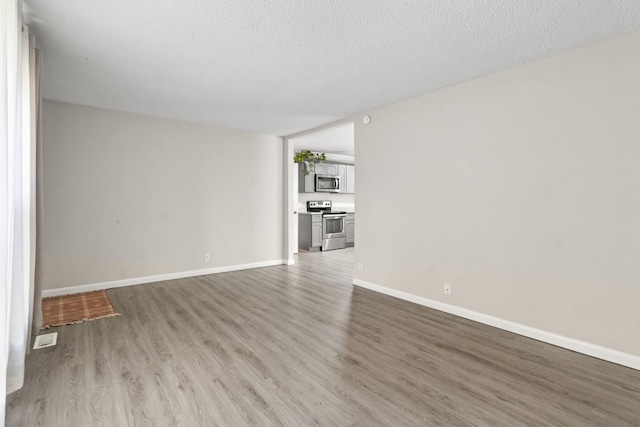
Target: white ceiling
x,y
336,140
284,66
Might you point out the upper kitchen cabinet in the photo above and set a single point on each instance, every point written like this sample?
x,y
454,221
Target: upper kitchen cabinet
x,y
306,183
347,174
342,173
351,179
326,168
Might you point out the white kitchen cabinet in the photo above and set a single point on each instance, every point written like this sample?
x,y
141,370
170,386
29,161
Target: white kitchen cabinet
x,y
350,228
347,174
316,234
327,168
320,168
310,231
306,183
351,179
342,173
332,169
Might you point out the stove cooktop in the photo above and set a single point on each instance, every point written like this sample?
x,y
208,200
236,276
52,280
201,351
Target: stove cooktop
x,y
323,207
327,212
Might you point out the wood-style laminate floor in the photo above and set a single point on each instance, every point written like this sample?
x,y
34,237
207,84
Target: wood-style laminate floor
x,y
299,346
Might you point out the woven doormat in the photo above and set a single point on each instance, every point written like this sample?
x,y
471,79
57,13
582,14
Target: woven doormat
x,y
69,309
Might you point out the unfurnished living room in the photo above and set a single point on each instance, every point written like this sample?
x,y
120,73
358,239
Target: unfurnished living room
x,y
179,241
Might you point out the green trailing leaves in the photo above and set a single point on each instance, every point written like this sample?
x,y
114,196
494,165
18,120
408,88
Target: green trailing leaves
x,y
309,159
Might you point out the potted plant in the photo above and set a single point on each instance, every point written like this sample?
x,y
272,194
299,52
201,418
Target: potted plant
x,y
309,159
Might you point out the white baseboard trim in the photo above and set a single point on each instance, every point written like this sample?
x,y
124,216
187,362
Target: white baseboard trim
x,y
604,353
291,262
158,278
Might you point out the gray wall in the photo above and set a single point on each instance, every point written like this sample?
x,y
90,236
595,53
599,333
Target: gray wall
x,y
131,196
521,189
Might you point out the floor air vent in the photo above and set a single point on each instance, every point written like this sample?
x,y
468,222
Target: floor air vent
x,y
46,340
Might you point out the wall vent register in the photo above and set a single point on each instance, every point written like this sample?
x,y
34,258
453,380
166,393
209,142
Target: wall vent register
x,y
46,340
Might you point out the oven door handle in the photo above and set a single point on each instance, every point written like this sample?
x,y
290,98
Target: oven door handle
x,y
333,216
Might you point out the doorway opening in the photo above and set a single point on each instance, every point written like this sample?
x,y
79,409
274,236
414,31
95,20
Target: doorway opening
x,y
338,143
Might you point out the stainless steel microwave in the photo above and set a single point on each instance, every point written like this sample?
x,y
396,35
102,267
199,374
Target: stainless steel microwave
x,y
327,183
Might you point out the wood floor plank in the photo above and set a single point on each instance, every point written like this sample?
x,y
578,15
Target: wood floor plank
x,y
300,346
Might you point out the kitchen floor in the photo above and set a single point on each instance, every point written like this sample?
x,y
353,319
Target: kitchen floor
x,y
299,345
347,254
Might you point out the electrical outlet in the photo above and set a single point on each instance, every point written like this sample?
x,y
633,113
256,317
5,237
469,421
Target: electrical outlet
x,y
360,267
206,258
447,289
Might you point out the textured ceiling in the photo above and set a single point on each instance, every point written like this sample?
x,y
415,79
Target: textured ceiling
x,y
283,66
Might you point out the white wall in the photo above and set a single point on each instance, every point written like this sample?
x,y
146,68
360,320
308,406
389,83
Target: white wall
x,y
130,196
521,189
